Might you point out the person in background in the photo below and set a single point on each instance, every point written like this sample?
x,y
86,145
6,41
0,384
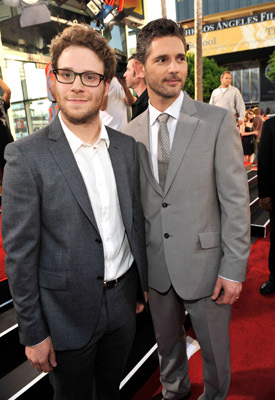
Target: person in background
x,y
73,230
113,111
266,187
257,126
194,195
54,108
138,84
263,115
5,134
249,136
228,97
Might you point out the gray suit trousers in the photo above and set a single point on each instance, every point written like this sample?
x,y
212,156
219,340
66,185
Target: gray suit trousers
x,y
211,325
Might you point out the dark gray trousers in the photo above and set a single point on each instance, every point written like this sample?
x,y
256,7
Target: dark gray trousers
x,y
102,361
210,322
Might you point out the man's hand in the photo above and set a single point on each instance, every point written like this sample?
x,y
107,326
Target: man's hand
x,y
140,306
266,203
42,356
226,292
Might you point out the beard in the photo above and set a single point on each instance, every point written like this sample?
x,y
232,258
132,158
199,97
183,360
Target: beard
x,y
85,118
166,91
77,114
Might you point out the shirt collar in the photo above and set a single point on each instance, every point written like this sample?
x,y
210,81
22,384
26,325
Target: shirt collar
x,y
75,142
173,110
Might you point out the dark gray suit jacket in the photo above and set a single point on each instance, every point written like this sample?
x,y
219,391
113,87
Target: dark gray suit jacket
x,y
266,160
55,261
199,227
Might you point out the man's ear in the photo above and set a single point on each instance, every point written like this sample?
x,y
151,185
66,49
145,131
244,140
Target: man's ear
x,y
107,86
139,69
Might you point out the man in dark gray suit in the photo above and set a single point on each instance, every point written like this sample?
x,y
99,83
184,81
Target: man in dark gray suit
x,y
266,185
195,201
73,230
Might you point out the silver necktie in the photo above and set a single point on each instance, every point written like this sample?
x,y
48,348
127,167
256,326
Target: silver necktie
x,y
163,149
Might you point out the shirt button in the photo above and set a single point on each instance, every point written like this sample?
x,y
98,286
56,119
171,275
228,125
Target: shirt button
x,y
166,235
164,205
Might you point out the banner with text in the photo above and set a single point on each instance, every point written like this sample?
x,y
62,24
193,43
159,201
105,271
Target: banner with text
x,y
246,33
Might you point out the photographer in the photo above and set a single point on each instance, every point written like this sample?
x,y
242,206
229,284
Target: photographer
x,y
113,111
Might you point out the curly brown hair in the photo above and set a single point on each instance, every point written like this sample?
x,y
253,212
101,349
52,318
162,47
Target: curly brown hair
x,y
84,35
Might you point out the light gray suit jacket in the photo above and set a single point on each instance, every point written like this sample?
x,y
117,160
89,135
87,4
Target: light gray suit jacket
x,y
54,260
200,226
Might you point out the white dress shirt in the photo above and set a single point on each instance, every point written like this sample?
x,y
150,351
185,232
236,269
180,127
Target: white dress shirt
x,y
173,111
96,169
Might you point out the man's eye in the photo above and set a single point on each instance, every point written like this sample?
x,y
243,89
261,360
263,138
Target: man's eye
x,y
90,77
66,74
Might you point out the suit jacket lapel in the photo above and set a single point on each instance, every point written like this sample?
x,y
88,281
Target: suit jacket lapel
x,y
122,178
141,135
64,157
185,128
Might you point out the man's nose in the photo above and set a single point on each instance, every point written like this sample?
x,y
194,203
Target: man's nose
x,y
173,66
77,84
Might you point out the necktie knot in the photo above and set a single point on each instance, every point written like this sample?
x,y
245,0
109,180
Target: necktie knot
x,y
163,118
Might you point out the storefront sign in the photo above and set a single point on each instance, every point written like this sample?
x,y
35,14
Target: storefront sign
x,y
238,34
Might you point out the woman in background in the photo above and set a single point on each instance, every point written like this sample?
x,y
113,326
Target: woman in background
x,y
248,136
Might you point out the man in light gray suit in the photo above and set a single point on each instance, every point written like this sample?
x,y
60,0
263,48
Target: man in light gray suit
x,y
73,230
195,201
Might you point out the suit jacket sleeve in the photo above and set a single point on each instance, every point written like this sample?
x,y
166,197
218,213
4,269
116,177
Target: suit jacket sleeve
x,y
21,241
265,155
232,190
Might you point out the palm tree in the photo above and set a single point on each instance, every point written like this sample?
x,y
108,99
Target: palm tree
x,y
163,8
198,52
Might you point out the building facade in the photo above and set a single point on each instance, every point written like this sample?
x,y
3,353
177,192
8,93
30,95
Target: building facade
x,y
240,36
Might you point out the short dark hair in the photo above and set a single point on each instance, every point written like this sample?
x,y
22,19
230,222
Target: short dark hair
x,y
85,36
158,28
132,57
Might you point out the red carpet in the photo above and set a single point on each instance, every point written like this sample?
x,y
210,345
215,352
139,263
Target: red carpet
x,y
252,333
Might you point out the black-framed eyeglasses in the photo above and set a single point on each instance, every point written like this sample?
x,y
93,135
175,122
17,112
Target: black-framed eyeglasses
x,y
89,78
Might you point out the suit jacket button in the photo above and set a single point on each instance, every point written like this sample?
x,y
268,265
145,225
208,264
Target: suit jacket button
x,y
99,241
99,278
166,235
164,205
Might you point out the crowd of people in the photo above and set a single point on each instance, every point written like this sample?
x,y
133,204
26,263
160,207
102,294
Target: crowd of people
x,y
96,223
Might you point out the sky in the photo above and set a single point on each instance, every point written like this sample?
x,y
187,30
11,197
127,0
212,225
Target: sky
x,y
154,9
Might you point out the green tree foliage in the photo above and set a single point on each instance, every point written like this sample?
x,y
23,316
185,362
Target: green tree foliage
x,y
271,68
211,76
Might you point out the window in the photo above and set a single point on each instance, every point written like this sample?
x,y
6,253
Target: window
x,y
29,101
247,79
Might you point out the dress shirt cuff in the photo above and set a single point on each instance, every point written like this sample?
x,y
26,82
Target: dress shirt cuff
x,y
231,280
